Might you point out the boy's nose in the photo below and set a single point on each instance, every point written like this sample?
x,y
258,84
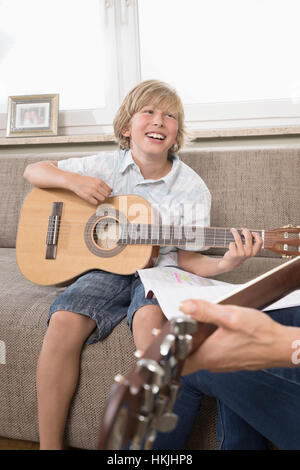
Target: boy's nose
x,y
158,119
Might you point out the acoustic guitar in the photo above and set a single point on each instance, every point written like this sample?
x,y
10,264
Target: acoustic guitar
x,y
61,236
140,404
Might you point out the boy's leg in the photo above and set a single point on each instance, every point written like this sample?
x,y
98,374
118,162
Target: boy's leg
x,y
101,300
143,315
145,319
57,373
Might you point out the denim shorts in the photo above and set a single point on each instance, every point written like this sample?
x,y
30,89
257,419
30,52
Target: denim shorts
x,y
104,297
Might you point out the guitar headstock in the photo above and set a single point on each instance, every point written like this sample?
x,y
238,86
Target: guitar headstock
x,y
284,240
141,403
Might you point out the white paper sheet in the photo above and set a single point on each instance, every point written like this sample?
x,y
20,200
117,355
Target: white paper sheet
x,y
171,286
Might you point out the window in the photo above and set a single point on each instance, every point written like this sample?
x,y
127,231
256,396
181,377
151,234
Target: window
x,y
60,46
49,49
229,59
233,62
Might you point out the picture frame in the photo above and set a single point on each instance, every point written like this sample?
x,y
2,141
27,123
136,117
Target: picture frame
x,y
32,115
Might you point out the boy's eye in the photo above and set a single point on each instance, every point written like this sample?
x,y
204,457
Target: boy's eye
x,y
148,111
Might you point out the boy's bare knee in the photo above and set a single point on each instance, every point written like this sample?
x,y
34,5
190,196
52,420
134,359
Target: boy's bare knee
x,y
67,328
149,314
145,319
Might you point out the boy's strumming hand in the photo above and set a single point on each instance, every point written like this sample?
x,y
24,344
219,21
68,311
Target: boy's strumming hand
x,y
238,251
92,190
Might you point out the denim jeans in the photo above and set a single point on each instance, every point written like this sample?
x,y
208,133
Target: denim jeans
x,y
104,297
253,406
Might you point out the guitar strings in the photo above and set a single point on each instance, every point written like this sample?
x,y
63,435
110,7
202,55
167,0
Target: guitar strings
x,y
163,230
142,238
194,228
162,233
158,231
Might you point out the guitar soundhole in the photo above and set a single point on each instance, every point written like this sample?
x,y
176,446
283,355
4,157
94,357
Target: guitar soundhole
x,y
102,235
106,233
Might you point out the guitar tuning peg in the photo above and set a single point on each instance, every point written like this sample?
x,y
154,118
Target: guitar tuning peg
x,y
156,331
138,353
156,371
183,325
119,378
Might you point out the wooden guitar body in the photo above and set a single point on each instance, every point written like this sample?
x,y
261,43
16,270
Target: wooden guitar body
x,y
76,249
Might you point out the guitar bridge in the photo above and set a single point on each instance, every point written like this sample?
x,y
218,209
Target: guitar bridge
x,y
53,230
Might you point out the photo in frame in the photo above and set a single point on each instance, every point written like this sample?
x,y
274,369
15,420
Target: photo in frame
x,y
32,115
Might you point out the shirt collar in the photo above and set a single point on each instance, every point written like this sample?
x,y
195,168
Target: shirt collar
x,y
169,178
126,161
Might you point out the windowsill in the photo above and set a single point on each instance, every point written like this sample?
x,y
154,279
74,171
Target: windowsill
x,y
195,135
58,139
245,132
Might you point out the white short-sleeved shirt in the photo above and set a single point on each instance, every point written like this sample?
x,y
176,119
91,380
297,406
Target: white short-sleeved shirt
x,y
181,197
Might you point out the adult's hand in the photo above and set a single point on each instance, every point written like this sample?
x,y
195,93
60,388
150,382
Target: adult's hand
x,y
246,339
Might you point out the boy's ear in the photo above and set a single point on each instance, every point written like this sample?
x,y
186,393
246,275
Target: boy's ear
x,y
126,133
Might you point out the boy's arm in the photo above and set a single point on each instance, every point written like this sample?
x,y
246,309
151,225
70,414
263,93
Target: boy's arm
x,y
46,174
238,252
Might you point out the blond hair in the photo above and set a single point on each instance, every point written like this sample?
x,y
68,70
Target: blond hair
x,y
158,94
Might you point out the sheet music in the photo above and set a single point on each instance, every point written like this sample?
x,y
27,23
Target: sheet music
x,y
171,286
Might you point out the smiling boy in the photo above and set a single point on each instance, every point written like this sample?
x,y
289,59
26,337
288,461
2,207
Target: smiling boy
x,y
149,127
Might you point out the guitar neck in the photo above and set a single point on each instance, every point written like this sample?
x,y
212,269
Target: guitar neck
x,y
177,235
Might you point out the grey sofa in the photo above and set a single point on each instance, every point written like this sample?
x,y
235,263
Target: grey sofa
x,y
257,188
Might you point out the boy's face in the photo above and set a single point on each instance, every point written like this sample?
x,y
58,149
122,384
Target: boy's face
x,y
152,132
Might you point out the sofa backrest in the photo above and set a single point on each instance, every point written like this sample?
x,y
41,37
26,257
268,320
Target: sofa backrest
x,y
255,188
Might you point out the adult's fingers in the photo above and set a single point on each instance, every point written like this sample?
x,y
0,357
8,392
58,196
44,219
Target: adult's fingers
x,y
207,312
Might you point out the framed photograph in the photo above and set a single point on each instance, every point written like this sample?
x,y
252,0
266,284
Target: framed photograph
x,y
32,115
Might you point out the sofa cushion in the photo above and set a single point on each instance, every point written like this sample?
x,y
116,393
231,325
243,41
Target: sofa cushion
x,y
24,309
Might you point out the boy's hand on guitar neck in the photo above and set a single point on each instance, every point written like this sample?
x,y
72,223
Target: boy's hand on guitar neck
x,y
92,190
238,251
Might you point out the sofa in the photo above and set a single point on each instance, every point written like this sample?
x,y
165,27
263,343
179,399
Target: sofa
x,y
256,188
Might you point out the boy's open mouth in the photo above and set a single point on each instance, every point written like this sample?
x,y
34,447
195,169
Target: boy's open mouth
x,y
155,136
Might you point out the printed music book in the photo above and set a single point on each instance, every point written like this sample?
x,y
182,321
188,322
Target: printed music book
x,y
172,285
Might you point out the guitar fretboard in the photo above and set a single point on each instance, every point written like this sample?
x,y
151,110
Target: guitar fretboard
x,y
176,235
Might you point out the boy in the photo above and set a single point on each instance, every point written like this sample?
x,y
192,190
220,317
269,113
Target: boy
x,y
149,128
